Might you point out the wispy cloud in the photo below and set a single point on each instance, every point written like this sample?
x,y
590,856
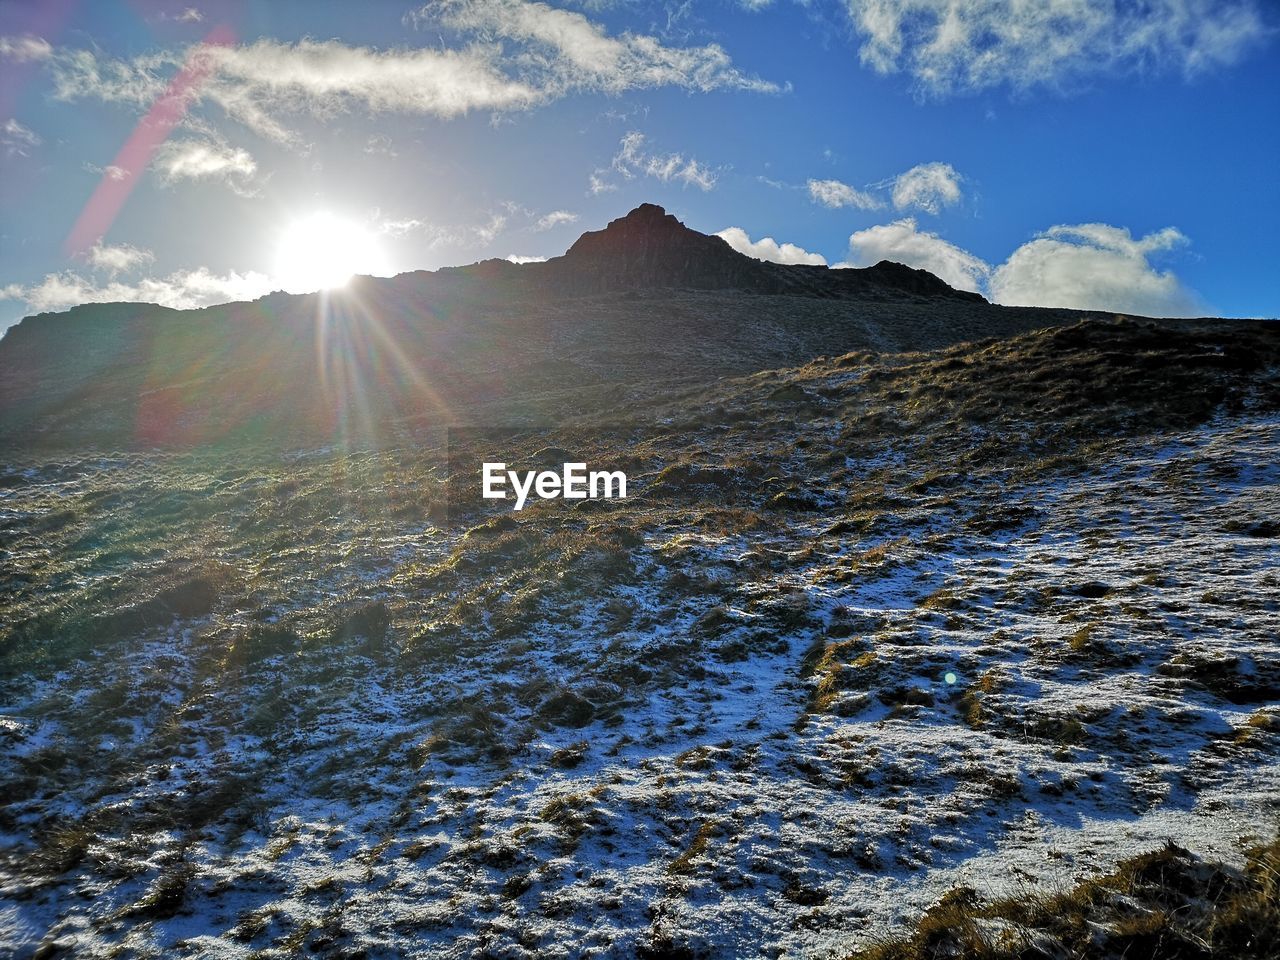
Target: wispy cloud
x,y
183,290
512,55
834,194
565,50
206,160
928,187
485,233
597,184
466,236
118,258
634,160
18,140
379,143
110,171
25,49
963,45
403,227
769,249
554,219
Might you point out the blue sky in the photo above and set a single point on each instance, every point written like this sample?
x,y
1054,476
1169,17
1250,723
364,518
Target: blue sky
x,y
1081,153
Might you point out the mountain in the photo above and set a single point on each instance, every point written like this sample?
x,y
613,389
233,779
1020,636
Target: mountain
x,y
909,594
627,315
867,634
649,249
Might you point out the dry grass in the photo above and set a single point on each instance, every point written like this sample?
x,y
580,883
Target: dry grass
x,y
1163,905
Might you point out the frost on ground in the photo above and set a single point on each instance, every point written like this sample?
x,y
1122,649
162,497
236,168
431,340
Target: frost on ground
x,y
868,629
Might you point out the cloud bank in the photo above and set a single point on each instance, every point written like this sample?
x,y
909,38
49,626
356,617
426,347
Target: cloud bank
x,y
769,249
1094,266
1090,266
182,290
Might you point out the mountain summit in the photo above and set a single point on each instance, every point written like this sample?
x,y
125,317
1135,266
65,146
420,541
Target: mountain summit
x,y
651,248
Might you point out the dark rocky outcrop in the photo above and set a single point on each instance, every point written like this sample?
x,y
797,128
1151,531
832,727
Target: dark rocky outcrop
x,y
649,248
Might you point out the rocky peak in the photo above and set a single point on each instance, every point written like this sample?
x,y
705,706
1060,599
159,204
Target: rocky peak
x,y
651,248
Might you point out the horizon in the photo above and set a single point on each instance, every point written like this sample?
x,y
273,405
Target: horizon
x,y
1072,162
354,280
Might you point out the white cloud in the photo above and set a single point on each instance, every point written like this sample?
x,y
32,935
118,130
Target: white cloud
x,y
1094,266
516,258
1090,266
768,248
119,258
513,55
110,171
958,45
25,49
634,160
18,140
928,187
79,73
435,235
903,242
554,219
402,228
205,160
260,84
567,51
834,194
256,82
379,143
486,233
598,185
183,290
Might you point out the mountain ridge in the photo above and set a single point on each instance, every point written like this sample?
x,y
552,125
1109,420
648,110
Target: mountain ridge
x,y
650,249
626,316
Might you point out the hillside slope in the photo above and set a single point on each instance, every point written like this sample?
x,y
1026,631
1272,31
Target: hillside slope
x,y
870,628
628,313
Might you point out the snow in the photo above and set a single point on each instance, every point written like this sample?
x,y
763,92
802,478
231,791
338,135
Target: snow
x,y
879,806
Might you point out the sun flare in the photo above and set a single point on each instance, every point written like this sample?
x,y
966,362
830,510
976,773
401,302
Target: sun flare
x,y
322,252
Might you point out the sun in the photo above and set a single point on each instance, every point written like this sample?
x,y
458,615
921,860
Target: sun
x,y
322,252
